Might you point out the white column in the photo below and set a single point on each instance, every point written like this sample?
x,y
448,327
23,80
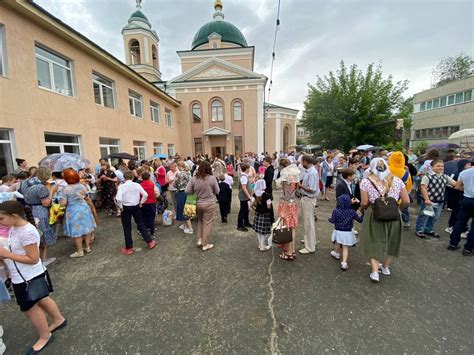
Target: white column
x,y
260,120
147,51
278,132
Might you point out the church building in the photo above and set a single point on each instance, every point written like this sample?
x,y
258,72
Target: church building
x,y
61,92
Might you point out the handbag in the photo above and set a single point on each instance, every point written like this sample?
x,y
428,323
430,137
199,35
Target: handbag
x,y
280,233
37,288
190,206
385,207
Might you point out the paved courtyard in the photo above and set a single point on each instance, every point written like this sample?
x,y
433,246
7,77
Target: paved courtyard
x,y
235,299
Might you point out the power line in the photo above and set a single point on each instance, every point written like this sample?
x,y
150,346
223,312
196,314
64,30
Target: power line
x,y
277,27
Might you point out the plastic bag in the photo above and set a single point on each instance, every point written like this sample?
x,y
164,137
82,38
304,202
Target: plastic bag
x,y
167,218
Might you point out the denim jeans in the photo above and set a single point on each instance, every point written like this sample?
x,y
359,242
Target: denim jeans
x,y
425,223
465,213
148,216
405,216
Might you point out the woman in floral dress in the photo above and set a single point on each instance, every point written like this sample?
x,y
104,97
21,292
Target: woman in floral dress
x,y
79,221
108,189
181,180
288,208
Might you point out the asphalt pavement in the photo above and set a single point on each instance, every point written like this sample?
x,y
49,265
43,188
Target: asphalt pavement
x,y
234,299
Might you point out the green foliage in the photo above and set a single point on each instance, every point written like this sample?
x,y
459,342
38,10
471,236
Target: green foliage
x,y
454,68
420,147
343,109
300,141
395,147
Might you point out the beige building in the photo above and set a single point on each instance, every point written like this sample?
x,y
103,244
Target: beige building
x,y
441,111
60,92
280,128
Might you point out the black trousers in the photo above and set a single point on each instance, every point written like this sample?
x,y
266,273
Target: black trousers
x,y
126,217
224,207
243,218
149,215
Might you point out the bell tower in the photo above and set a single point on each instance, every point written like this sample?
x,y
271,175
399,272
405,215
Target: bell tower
x,y
141,45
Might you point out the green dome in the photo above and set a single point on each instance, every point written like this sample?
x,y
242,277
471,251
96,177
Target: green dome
x,y
228,32
140,16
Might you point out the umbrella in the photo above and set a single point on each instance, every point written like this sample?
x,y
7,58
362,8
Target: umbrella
x,y
443,146
122,156
60,161
464,133
158,156
365,147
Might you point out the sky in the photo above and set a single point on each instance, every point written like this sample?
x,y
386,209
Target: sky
x,y
407,37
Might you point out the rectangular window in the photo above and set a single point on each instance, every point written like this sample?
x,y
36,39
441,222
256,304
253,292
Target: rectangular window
x,y
417,134
467,95
139,149
169,118
155,112
157,148
445,132
135,102
443,101
435,103
6,152
459,97
238,148
423,106
171,151
422,133
3,51
453,129
429,105
103,90
451,100
61,143
53,72
429,133
198,146
108,146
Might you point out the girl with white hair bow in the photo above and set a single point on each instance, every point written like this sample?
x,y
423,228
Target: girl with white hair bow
x,y
381,240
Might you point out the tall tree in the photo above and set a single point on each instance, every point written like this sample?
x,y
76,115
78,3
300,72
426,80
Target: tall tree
x,y
453,68
349,107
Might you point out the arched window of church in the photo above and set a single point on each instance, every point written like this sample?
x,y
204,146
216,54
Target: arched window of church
x,y
217,111
237,110
196,108
135,52
154,56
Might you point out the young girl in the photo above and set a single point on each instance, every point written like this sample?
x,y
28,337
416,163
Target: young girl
x,y
343,236
24,264
263,207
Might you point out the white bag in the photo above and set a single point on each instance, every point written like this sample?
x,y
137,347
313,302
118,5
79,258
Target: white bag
x,y
167,218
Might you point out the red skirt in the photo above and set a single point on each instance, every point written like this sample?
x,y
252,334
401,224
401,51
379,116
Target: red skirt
x,y
289,212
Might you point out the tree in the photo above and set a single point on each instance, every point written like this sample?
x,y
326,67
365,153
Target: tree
x,y
451,69
349,107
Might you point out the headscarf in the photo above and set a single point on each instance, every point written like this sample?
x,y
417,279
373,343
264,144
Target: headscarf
x,y
260,187
379,168
396,164
344,202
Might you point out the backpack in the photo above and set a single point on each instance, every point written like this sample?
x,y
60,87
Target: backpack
x,y
385,207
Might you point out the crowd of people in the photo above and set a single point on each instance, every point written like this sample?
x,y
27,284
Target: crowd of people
x,y
38,206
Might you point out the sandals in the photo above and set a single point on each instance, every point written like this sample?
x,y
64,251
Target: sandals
x,y
284,256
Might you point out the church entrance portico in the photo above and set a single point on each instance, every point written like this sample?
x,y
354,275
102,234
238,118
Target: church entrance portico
x,y
216,141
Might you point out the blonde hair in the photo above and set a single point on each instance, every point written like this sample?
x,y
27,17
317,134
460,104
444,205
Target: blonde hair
x,y
43,174
183,166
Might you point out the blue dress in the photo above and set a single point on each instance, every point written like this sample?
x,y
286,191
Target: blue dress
x,y
78,218
33,196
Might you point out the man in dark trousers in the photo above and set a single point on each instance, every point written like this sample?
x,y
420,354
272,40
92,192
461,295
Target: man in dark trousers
x,y
224,198
268,177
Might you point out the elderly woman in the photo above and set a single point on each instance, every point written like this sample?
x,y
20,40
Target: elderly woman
x,y
181,180
38,195
288,208
79,223
108,189
205,186
381,239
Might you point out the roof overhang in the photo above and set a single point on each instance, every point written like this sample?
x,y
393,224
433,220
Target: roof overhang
x,y
216,131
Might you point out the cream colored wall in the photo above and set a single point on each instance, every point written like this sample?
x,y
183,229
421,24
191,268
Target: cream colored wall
x,y
31,111
247,128
444,90
242,60
270,142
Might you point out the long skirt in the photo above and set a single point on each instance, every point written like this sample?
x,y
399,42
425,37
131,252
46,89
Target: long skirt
x,y
380,239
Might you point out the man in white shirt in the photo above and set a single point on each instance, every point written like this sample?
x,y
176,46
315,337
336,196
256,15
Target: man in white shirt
x,y
130,197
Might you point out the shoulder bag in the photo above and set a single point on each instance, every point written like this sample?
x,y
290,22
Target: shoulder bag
x,y
385,207
280,233
38,288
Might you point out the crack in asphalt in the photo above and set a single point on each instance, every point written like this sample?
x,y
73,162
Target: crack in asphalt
x,y
274,332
